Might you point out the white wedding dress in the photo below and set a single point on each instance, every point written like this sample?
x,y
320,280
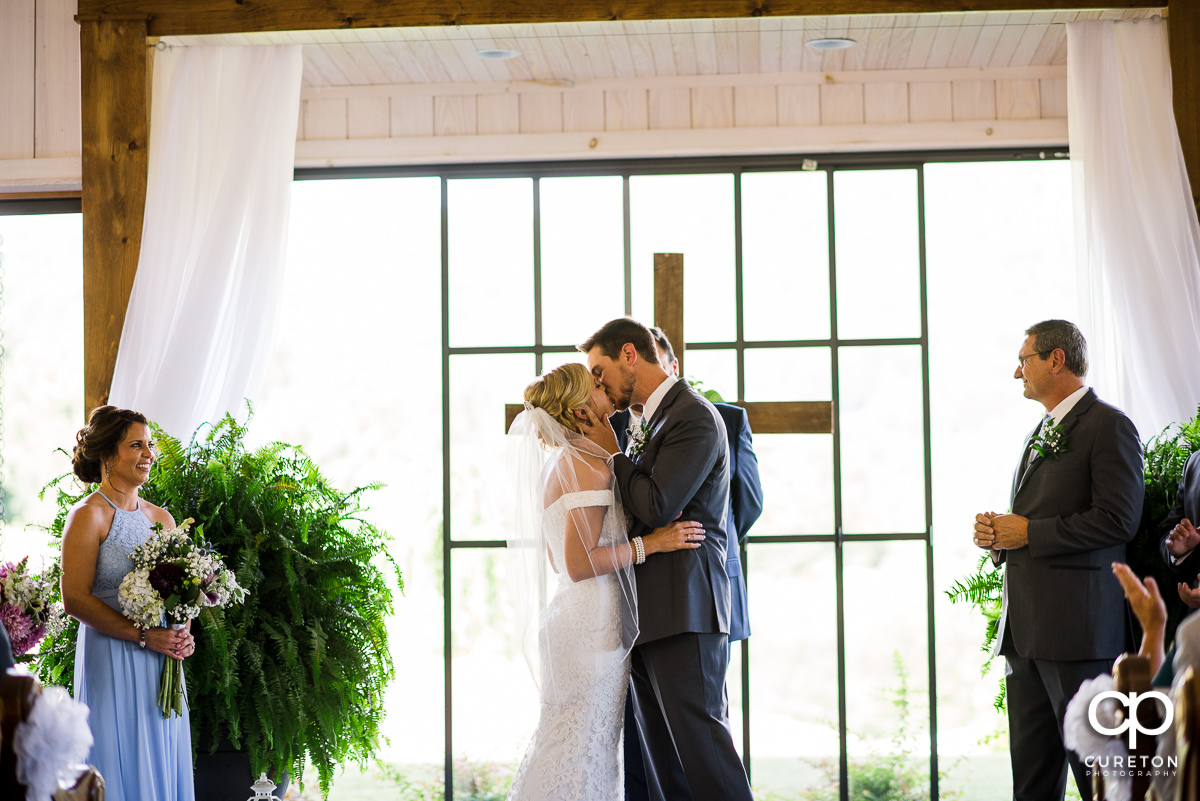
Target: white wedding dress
x,y
576,752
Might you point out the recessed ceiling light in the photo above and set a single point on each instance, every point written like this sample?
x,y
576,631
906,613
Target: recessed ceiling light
x,y
831,43
498,55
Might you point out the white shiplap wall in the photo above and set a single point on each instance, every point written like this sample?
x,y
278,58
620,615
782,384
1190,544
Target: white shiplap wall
x,y
666,88
685,115
39,96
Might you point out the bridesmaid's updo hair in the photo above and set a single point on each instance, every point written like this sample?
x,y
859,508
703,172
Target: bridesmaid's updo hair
x,y
98,440
561,392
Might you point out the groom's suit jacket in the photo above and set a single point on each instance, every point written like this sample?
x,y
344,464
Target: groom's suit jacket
x,y
1061,600
683,469
745,503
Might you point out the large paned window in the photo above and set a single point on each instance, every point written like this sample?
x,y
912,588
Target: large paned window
x,y
418,303
41,366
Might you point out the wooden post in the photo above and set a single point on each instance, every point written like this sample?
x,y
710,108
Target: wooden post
x,y
1183,29
668,300
115,80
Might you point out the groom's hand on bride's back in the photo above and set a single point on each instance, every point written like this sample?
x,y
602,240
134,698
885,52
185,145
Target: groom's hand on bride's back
x,y
599,431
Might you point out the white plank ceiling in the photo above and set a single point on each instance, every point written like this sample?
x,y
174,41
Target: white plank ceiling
x,y
568,53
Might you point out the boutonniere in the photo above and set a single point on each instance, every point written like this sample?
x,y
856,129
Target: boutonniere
x,y
638,435
1050,442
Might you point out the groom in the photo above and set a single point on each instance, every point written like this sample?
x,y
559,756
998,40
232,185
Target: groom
x,y
681,471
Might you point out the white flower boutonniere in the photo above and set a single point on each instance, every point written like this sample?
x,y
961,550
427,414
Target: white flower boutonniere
x,y
638,436
1050,442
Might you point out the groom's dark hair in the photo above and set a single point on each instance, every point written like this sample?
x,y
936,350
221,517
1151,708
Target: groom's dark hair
x,y
613,335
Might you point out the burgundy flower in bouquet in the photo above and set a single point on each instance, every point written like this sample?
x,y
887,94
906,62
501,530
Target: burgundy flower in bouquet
x,y
25,606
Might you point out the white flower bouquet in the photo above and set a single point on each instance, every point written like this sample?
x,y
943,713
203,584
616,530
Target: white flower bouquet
x,y
26,608
174,578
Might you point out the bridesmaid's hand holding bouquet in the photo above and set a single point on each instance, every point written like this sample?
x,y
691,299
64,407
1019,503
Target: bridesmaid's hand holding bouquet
x,y
174,578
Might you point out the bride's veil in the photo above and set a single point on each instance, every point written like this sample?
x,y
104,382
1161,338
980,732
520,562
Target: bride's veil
x,y
572,638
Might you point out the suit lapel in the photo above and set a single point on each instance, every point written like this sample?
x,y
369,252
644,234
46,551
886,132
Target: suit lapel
x,y
668,399
660,414
1068,424
1019,473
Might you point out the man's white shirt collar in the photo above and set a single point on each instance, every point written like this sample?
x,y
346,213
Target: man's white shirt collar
x,y
652,403
1066,405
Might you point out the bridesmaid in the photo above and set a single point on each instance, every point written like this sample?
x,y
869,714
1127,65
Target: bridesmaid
x,y
141,756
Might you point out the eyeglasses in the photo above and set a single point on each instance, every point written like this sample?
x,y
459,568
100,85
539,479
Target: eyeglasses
x,y
1022,359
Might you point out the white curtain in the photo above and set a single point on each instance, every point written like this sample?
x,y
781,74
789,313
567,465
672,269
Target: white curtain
x,y
1137,239
201,316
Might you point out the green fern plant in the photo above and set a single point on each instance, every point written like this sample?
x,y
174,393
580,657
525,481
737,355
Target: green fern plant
x,y
984,589
298,672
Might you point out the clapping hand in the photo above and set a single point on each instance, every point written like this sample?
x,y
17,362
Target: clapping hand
x,y
1151,611
1183,539
1144,598
1188,595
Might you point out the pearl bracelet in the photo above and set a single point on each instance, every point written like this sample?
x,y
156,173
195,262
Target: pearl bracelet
x,y
142,638
639,549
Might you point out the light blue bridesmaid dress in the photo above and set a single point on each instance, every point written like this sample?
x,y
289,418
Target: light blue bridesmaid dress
x,y
141,756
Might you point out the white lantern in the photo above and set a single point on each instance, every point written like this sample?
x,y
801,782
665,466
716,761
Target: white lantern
x,y
262,788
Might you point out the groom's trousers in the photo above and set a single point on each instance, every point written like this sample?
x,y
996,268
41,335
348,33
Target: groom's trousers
x,y
679,697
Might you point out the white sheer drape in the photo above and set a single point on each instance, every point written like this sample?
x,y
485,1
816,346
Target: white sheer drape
x,y
1137,239
202,312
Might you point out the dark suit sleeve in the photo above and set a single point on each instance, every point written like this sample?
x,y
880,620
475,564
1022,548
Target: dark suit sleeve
x,y
745,488
1117,490
685,458
620,426
1178,512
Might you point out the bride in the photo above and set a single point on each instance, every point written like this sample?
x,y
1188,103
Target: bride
x,y
578,633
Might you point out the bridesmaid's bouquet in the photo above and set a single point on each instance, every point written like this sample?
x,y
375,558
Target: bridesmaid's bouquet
x,y
26,606
175,578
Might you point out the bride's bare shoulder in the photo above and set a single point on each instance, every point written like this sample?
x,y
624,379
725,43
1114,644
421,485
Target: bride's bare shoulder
x,y
576,472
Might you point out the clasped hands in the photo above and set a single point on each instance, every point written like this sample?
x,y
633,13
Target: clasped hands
x,y
1181,541
174,643
1001,532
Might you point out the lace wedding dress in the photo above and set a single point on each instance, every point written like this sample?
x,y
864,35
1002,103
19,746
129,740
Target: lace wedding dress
x,y
575,753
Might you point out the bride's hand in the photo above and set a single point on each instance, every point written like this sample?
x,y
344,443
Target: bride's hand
x,y
676,536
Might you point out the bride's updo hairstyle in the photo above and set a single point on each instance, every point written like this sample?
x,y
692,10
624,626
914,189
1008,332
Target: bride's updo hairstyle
x,y
561,392
98,440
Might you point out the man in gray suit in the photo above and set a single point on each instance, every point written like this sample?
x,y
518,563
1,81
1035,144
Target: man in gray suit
x,y
745,506
678,665
1076,501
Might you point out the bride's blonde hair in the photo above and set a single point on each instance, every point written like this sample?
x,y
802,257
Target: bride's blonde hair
x,y
561,392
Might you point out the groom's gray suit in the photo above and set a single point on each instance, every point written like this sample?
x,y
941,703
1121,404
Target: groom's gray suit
x,y
682,651
1063,618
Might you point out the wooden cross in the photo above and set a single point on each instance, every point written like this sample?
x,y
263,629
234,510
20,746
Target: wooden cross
x,y
790,417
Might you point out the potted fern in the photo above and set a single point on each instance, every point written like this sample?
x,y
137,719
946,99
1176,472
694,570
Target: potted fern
x,y
297,673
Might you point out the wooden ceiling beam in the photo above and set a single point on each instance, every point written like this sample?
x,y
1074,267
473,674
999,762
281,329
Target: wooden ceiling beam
x,y
196,17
